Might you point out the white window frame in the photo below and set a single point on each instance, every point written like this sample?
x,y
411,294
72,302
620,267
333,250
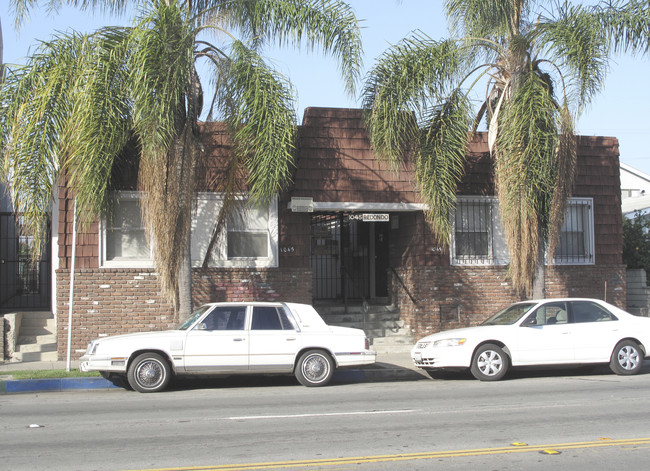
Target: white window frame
x,y
103,230
587,223
497,250
203,222
204,217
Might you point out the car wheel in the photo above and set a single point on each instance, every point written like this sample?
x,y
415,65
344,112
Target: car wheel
x,y
314,368
149,372
490,363
627,358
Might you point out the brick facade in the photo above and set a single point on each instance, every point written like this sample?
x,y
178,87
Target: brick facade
x,y
441,298
110,301
335,164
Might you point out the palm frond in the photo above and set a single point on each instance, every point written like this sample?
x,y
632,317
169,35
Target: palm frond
x,y
37,99
486,18
401,87
329,25
440,161
100,120
162,83
160,66
526,172
259,106
576,40
626,23
566,165
21,8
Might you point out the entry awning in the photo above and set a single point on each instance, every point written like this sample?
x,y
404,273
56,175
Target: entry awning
x,y
365,206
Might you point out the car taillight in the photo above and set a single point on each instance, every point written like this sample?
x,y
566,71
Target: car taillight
x,y
367,343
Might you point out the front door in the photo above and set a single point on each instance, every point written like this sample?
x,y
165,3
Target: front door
x,y
220,343
349,257
546,336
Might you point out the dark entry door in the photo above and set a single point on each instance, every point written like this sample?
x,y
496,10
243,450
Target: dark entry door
x,y
349,257
382,262
24,284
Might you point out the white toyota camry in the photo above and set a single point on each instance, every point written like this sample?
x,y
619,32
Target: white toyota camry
x,y
232,338
547,332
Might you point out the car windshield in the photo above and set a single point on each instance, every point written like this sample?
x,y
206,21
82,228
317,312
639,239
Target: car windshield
x,y
509,315
194,317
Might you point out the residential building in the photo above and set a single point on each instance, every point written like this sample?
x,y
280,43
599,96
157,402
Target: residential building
x,y
350,231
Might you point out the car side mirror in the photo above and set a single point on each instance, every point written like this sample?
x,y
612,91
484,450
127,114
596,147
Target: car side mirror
x,y
530,322
202,326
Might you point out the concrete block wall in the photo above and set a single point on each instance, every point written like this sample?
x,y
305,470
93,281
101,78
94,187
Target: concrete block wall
x,y
638,301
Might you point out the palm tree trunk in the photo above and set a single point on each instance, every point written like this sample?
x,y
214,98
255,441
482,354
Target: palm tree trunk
x,y
185,282
539,278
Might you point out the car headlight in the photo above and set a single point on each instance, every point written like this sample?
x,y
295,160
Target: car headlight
x,y
92,347
449,342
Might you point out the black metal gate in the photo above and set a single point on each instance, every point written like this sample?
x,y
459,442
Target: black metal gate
x,y
23,284
346,257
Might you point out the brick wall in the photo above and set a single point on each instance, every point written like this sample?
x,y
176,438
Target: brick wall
x,y
452,297
119,301
335,164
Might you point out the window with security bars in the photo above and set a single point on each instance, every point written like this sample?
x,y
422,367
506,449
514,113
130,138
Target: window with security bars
x,y
477,237
576,243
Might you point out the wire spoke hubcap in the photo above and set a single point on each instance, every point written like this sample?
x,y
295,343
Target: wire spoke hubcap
x,y
150,373
315,368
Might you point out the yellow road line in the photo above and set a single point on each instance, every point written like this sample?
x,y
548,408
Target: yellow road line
x,y
518,448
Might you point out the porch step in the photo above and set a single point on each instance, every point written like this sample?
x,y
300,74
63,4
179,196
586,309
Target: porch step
x,y
381,323
37,327
21,357
37,340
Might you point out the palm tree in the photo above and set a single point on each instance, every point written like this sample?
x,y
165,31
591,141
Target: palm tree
x,y
80,99
539,69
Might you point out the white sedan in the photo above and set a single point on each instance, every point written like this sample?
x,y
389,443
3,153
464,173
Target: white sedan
x,y
232,338
547,332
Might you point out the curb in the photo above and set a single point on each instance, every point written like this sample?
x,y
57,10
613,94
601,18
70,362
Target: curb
x,y
17,386
14,386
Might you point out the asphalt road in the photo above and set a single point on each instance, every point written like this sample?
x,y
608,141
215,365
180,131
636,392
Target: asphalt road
x,y
576,420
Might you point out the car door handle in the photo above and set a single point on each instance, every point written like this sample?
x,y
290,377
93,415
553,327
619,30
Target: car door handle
x,y
291,339
238,340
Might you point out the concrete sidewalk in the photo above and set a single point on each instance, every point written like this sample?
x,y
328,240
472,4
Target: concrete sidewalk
x,y
389,367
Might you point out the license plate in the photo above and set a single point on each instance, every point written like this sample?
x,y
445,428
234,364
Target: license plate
x,y
417,356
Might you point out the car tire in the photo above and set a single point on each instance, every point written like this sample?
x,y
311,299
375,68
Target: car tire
x,y
627,358
149,372
314,368
490,363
